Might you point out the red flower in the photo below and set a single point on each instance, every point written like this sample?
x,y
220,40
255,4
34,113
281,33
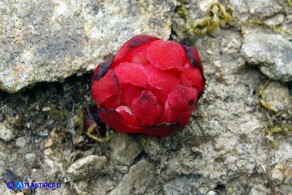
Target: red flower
x,y
150,86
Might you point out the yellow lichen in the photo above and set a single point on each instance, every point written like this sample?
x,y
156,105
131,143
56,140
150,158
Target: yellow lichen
x,y
216,16
265,25
95,137
275,126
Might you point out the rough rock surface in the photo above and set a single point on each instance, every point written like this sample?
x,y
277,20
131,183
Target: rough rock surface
x,y
275,97
124,150
136,181
89,166
272,53
6,132
51,40
232,145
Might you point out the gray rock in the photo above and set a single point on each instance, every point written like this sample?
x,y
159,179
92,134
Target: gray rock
x,y
53,167
283,164
136,180
272,53
30,158
212,193
80,187
276,20
124,149
91,165
259,190
20,142
153,149
277,176
6,132
181,185
51,40
4,190
245,10
275,96
267,8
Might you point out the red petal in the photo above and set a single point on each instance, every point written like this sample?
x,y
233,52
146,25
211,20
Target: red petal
x,y
132,73
180,105
160,130
120,121
101,69
127,114
160,96
116,121
110,103
161,80
166,55
105,88
129,93
193,57
193,77
137,54
146,108
132,43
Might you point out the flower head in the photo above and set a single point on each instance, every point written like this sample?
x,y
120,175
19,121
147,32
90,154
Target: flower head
x,y
150,86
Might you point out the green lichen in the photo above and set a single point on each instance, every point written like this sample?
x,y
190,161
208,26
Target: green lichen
x,y
274,129
216,16
275,126
90,133
278,122
261,93
265,25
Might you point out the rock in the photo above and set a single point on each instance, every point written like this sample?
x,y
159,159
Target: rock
x,y
20,142
283,164
276,20
124,149
4,154
272,53
183,184
6,132
51,40
1,117
212,193
30,158
267,8
275,96
259,190
89,166
53,168
153,149
136,180
282,171
244,10
80,187
277,176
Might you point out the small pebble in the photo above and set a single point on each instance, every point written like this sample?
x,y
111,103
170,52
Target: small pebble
x,y
20,142
46,109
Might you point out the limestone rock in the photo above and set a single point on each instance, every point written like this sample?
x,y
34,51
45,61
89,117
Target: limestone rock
x,y
124,149
51,40
271,52
183,184
259,190
89,166
275,96
6,132
136,180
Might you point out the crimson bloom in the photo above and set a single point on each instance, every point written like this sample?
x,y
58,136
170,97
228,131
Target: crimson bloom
x,y
150,86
